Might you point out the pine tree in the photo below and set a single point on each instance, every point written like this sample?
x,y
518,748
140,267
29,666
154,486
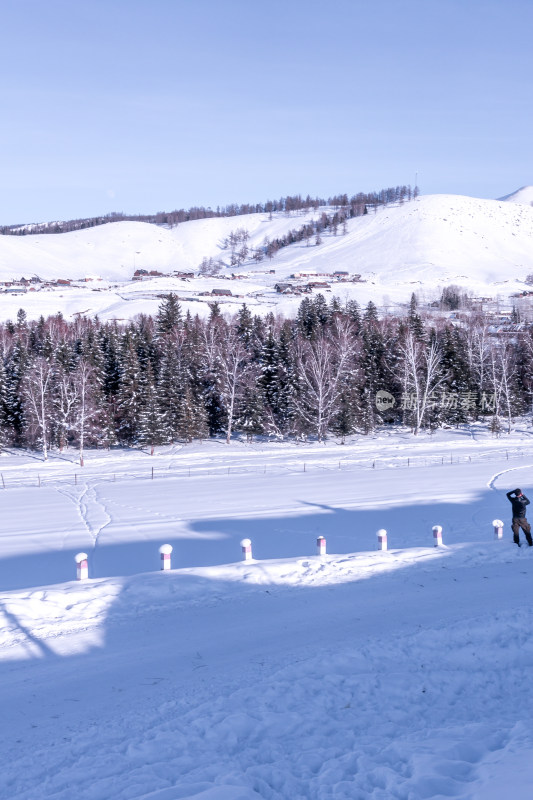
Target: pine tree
x,y
4,428
129,399
215,311
321,309
193,422
100,355
287,386
456,384
371,313
244,325
307,320
344,421
15,369
169,315
151,428
414,319
251,413
171,388
354,314
372,356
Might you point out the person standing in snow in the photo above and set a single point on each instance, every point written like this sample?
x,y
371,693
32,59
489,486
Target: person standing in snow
x,y
519,503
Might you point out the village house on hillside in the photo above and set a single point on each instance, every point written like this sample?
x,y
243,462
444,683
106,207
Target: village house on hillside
x,y
15,289
289,288
140,274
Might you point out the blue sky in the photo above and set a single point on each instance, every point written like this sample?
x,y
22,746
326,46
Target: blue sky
x,y
147,105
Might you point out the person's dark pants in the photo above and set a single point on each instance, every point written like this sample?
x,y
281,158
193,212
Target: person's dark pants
x,y
521,522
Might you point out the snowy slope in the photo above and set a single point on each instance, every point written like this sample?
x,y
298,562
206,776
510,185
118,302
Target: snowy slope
x,y
485,246
113,251
437,239
523,195
359,674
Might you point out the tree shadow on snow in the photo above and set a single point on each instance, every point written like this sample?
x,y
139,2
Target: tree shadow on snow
x,y
185,622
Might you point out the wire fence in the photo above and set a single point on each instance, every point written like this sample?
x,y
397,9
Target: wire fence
x,y
14,479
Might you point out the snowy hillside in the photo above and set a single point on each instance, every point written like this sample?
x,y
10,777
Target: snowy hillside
x,y
484,245
357,674
523,195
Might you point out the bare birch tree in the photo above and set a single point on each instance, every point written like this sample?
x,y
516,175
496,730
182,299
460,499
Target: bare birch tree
x,y
477,353
421,376
232,360
502,371
65,401
321,363
37,396
86,408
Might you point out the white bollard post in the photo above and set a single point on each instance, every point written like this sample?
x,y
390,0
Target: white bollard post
x,y
382,539
246,545
321,546
82,566
165,551
437,536
498,528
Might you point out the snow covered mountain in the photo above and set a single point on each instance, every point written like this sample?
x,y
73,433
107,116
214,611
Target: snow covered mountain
x,y
485,246
523,195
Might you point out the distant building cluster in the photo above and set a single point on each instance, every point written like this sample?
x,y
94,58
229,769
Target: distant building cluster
x,y
31,285
299,283
339,276
143,274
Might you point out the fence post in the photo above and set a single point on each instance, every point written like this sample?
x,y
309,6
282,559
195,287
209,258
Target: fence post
x,y
3,482
321,546
498,528
82,566
246,546
437,536
165,550
382,539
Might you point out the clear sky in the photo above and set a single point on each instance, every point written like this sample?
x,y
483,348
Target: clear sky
x,y
148,105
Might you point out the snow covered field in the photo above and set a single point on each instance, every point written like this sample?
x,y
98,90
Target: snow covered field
x,y
359,674
484,246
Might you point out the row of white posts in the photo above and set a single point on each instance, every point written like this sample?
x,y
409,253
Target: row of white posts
x,y
82,559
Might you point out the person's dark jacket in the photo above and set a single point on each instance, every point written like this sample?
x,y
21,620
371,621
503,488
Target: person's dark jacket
x,y
519,504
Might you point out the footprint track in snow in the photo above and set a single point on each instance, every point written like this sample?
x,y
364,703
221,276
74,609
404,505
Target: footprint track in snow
x,y
91,510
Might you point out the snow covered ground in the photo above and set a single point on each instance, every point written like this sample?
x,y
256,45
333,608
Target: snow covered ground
x,y
359,674
484,246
